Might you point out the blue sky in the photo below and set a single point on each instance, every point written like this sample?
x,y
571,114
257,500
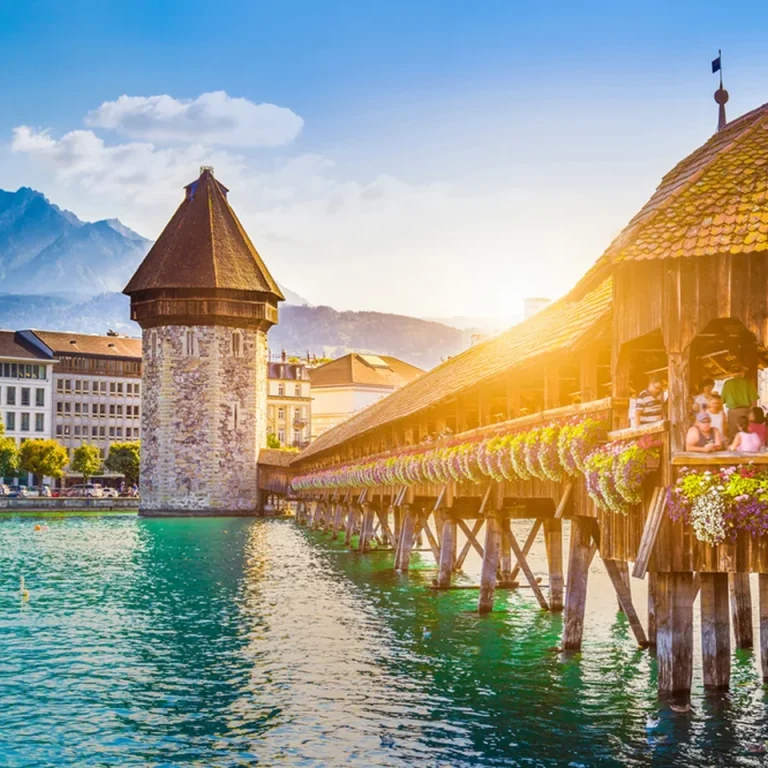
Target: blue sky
x,y
429,158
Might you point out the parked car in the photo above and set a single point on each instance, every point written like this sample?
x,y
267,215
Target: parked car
x,y
109,493
89,490
14,492
38,491
4,490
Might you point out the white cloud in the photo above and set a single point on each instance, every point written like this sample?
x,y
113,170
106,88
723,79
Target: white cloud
x,y
211,118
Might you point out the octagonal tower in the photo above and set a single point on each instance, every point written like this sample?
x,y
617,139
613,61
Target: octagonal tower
x,y
205,301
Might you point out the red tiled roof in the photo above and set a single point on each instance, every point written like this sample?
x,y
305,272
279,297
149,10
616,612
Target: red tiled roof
x,y
364,370
204,246
63,343
555,328
714,201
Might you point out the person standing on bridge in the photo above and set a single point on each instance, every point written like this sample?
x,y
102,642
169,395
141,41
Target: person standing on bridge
x,y
739,395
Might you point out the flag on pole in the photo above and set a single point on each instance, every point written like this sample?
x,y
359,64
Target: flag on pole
x,y
716,65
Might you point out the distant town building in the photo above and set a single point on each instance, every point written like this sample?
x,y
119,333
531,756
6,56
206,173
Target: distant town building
x,y
289,403
534,305
26,376
96,387
344,386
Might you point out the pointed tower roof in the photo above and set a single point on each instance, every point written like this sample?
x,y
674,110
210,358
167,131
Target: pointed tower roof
x,y
204,246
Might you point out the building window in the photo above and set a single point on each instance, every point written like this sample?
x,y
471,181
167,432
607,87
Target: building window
x,y
94,431
85,409
39,422
119,431
119,387
103,387
296,436
111,431
77,430
60,385
67,409
237,343
78,386
59,430
10,421
281,390
136,390
128,432
297,413
10,395
120,409
235,415
102,432
25,422
25,399
68,385
40,398
67,430
102,410
190,343
111,410
281,414
297,390
77,409
281,435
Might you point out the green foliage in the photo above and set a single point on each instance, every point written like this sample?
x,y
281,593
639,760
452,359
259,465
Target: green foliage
x,y
124,459
273,442
43,458
9,455
86,460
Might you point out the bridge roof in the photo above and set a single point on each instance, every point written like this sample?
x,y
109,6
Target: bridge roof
x,y
714,201
555,328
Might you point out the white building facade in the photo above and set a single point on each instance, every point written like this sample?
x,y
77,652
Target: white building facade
x,y
289,403
26,377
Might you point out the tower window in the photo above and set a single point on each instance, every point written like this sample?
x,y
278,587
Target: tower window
x,y
237,344
190,343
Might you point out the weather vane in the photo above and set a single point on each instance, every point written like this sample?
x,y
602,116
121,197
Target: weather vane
x,y
721,95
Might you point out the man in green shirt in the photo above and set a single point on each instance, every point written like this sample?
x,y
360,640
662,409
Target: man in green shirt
x,y
739,395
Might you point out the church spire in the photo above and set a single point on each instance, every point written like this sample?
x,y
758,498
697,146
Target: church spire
x,y
721,95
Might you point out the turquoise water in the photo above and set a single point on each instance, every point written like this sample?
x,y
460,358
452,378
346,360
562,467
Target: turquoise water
x,y
253,642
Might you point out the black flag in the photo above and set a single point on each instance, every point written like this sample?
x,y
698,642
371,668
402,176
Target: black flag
x,y
716,65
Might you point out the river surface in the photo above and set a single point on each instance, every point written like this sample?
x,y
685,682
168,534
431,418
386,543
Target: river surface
x,y
253,642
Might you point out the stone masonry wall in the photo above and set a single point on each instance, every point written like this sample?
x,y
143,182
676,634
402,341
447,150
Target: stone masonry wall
x,y
203,421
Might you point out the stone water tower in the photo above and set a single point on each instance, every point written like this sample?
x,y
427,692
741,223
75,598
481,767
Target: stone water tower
x,y
205,301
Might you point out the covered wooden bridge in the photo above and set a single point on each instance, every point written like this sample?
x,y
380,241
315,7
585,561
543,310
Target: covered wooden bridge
x,y
534,424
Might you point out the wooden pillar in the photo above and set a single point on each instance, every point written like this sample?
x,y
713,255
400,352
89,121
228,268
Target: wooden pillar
x,y
337,521
588,380
553,538
674,632
506,561
622,566
620,387
366,529
403,560
316,514
350,528
491,552
715,630
551,387
652,610
741,609
579,559
679,404
447,553
763,587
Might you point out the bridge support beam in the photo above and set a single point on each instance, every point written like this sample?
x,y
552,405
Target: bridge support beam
x,y
491,554
715,631
447,553
580,558
674,633
553,538
403,560
741,609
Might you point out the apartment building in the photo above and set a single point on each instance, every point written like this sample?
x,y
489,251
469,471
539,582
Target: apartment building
x,y
289,403
352,382
26,375
96,389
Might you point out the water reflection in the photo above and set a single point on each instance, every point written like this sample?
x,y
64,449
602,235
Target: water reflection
x,y
237,642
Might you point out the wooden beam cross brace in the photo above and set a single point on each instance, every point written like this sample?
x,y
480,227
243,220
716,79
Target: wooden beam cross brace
x,y
650,532
564,500
526,547
506,532
471,541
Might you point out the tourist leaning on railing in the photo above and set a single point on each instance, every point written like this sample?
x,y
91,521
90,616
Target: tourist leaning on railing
x,y
702,437
745,441
716,412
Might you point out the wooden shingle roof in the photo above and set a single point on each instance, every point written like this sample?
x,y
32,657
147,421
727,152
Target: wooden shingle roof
x,y
204,246
556,328
713,202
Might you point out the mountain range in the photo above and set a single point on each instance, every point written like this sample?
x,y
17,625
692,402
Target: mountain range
x,y
60,273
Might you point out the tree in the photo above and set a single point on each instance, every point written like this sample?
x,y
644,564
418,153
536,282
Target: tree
x,y
43,458
9,455
272,441
86,460
124,459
